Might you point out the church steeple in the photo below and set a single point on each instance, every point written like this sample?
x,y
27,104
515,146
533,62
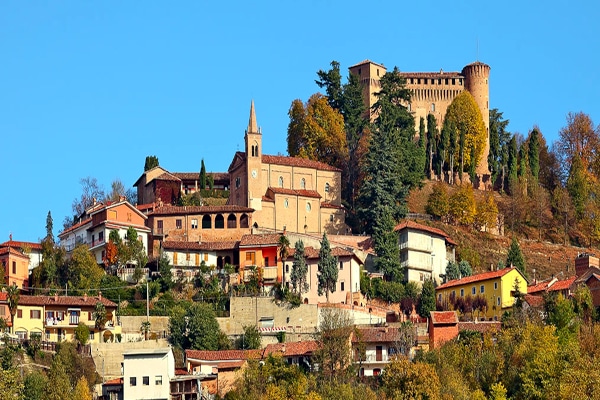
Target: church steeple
x,y
252,125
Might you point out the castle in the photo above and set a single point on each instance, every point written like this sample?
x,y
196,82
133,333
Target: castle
x,y
432,93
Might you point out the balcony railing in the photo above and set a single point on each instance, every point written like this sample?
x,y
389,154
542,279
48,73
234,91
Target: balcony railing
x,y
268,273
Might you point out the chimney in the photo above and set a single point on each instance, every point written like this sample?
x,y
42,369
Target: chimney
x,y
56,297
99,295
85,296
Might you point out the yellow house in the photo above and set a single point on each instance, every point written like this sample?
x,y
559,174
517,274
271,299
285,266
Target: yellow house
x,y
492,291
56,317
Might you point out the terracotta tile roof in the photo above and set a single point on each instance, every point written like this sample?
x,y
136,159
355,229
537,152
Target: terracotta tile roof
x,y
270,200
223,245
112,382
480,326
291,349
365,62
534,301
297,162
435,75
562,285
167,177
375,335
74,227
310,252
443,317
183,210
3,296
194,176
260,240
551,285
80,301
223,355
407,224
330,205
294,192
20,245
144,207
476,278
13,251
126,225
539,287
181,371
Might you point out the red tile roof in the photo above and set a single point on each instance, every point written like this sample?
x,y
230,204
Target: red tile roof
x,y
112,382
407,224
291,349
562,285
443,317
551,285
82,301
375,335
476,278
297,162
480,326
366,62
181,371
294,192
195,176
74,227
534,301
330,205
14,251
310,252
187,210
223,355
167,177
223,245
266,239
21,245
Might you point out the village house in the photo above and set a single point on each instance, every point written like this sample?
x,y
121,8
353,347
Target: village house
x,y
258,254
55,318
15,267
494,289
31,249
373,348
424,251
186,258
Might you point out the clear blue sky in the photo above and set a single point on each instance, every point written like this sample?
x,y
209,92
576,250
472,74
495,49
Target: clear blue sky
x,y
92,88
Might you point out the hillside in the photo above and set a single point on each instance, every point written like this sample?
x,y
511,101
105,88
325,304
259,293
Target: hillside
x,y
483,250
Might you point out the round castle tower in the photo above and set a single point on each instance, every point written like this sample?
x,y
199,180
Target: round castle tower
x,y
477,75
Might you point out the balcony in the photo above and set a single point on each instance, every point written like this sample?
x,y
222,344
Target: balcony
x,y
270,273
416,245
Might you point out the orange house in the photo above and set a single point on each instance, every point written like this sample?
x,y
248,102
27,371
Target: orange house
x,y
260,251
16,267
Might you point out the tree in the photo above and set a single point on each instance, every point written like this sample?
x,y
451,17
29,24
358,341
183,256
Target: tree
x,y
299,269
512,162
49,225
452,271
82,390
464,118
332,82
385,243
251,338
327,274
431,149
117,191
82,270
499,138
404,379
515,257
61,388
34,386
13,294
333,353
462,205
164,270
465,268
82,333
579,138
534,153
11,385
283,244
427,299
145,329
151,162
438,201
316,132
194,327
578,185
202,181
91,191
561,201
486,214
99,315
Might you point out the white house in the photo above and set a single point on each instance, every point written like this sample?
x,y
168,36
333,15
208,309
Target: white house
x,y
424,251
379,345
147,373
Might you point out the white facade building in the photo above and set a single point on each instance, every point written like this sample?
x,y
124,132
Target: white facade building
x,y
147,373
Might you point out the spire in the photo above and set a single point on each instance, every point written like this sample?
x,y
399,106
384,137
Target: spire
x,y
252,126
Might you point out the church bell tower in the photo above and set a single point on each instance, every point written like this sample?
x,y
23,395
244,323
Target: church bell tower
x,y
253,140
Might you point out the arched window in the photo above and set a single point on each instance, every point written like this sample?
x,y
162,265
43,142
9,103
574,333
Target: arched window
x,y
231,222
327,187
206,222
219,222
432,107
286,203
281,181
244,221
302,183
308,207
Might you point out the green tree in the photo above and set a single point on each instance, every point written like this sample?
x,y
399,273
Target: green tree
x,y
431,149
34,386
194,327
515,256
316,131
164,270
82,390
534,153
145,329
465,268
49,226
333,353
332,82
438,201
512,162
385,243
81,271
327,274
404,379
464,116
298,276
99,315
283,245
251,338
61,388
13,294
151,162
11,385
202,181
82,333
578,185
452,271
427,299
499,138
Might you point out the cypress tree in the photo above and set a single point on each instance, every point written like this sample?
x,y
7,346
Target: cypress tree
x,y
515,257
202,179
327,274
534,153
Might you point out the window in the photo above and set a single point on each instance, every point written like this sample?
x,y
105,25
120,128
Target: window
x,y
238,182
73,317
342,286
194,224
174,258
440,297
197,259
302,183
308,207
495,285
473,290
146,380
132,381
462,292
205,256
91,335
286,203
376,372
47,334
14,267
19,313
378,353
327,187
35,314
101,236
331,218
498,301
341,265
219,222
266,261
433,107
178,224
159,227
187,256
481,289
250,257
158,380
287,268
281,181
206,222
2,311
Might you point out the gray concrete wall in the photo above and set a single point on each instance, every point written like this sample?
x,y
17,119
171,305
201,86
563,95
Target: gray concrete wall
x,y
109,356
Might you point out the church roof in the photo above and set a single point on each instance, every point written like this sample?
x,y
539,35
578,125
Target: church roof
x,y
252,125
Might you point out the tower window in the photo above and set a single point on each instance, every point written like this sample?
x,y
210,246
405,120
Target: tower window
x,y
303,183
433,107
281,181
286,203
359,70
327,187
308,207
377,71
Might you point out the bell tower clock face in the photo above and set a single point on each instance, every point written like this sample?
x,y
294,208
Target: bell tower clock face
x,y
254,173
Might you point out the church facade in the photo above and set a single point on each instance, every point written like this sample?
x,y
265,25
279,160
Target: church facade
x,y
286,193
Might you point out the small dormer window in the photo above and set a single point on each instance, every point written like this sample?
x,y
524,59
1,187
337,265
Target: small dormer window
x,y
281,181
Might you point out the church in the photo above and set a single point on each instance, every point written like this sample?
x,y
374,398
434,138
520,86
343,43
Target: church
x,y
287,193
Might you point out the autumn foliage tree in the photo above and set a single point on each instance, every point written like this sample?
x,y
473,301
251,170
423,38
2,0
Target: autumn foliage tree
x,y
462,205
